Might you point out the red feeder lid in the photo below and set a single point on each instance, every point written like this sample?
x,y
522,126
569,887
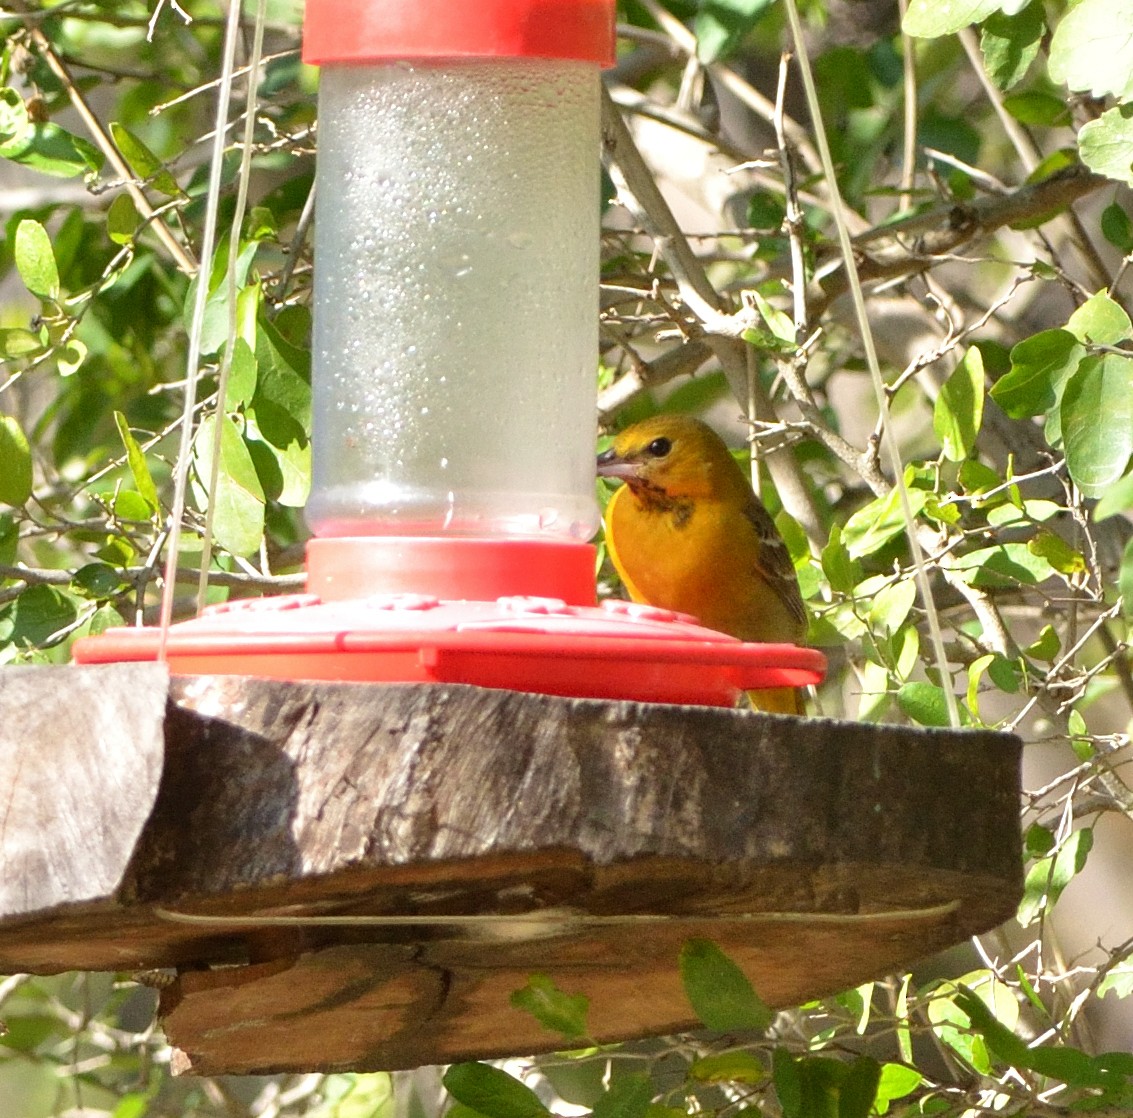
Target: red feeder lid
x,y
380,30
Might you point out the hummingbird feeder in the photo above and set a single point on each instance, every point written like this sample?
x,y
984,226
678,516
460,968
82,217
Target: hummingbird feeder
x,y
455,338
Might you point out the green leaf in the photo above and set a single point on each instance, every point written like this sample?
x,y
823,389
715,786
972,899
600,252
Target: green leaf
x,y
242,376
959,408
1040,367
780,324
15,342
14,119
49,149
728,1067
238,514
1057,552
1106,144
283,390
134,1105
1038,841
492,1092
1043,110
144,163
9,540
874,525
1033,512
718,991
214,328
1003,1041
122,219
929,19
1045,646
1091,49
1117,228
721,25
1101,321
1011,43
1124,578
1008,565
924,703
553,1009
788,1083
1118,981
891,605
15,463
1049,876
39,617
628,1096
136,460
842,572
131,505
952,1022
896,1081
1097,422
98,580
35,260
858,1090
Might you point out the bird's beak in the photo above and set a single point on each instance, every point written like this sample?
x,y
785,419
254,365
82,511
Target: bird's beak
x,y
610,465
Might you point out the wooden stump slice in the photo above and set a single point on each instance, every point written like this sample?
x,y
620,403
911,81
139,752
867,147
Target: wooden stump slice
x,y
359,876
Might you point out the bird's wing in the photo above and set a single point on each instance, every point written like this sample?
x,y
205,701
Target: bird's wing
x,y
774,565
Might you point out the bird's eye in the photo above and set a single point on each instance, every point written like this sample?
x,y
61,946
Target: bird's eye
x,y
659,447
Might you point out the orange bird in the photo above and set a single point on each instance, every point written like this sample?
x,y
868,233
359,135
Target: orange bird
x,y
687,533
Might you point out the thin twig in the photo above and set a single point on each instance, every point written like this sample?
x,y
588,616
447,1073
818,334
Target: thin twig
x,y
109,149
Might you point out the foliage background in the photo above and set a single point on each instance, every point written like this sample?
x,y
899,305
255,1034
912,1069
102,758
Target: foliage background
x,y
984,158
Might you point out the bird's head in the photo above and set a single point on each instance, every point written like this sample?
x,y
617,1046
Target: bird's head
x,y
675,455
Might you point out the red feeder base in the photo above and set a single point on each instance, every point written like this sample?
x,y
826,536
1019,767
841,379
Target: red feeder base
x,y
434,634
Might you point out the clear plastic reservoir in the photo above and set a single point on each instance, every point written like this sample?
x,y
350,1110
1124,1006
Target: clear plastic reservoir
x,y
456,282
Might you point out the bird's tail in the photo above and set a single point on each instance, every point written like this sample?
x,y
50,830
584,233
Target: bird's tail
x,y
778,700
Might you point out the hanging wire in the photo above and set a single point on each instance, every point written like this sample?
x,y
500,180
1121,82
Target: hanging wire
x,y
193,361
253,71
888,437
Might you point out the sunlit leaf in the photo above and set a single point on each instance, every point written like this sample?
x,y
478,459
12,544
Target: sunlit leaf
x,y
136,460
1089,50
891,605
122,219
1100,320
51,150
35,259
145,164
1049,876
874,525
929,19
1010,43
896,1081
15,463
1097,422
1106,143
958,412
1040,366
238,504
924,703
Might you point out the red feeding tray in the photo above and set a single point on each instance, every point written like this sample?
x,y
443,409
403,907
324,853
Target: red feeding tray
x,y
524,642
